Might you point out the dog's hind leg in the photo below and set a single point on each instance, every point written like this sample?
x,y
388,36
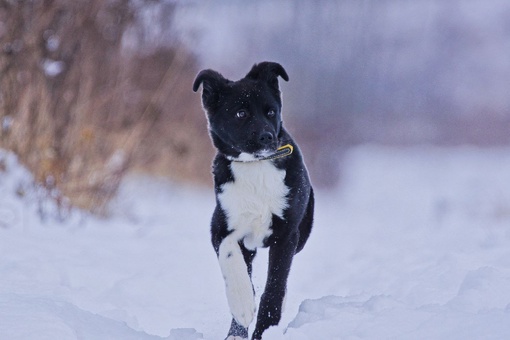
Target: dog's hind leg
x,y
237,332
238,284
305,227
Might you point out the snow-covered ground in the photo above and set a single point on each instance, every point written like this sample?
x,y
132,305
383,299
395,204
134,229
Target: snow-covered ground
x,y
415,244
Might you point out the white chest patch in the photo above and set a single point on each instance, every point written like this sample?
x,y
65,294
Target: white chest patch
x,y
258,192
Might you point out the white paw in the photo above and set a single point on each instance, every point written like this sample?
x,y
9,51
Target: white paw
x,y
242,305
240,297
231,337
237,282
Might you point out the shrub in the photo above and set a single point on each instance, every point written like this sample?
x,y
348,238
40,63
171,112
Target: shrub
x,y
80,111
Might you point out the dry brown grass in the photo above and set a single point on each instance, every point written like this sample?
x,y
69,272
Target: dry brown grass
x,y
106,112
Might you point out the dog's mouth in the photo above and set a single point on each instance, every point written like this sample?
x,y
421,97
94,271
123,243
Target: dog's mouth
x,y
264,153
258,150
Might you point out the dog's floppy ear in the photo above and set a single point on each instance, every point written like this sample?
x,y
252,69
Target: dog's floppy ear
x,y
269,72
212,82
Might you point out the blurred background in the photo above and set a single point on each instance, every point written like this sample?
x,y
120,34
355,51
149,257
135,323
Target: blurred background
x,y
93,90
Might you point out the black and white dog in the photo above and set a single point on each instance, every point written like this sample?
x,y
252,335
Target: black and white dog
x,y
263,194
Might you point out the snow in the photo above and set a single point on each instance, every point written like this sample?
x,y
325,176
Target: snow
x,y
415,244
52,68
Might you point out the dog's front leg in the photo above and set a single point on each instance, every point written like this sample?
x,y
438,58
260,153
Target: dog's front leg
x,y
237,331
238,285
271,301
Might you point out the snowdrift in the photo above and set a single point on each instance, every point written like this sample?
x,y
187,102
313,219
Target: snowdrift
x,y
415,244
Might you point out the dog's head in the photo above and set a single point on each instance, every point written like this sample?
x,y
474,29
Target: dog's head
x,y
245,115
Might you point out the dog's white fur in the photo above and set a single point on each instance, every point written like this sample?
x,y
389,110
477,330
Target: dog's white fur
x,y
257,192
237,282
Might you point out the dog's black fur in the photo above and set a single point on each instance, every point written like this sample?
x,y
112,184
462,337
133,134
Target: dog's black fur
x,y
245,125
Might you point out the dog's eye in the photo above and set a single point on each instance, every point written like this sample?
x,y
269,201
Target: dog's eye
x,y
271,113
241,114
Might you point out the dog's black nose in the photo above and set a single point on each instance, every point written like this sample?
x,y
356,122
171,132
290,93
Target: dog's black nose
x,y
265,138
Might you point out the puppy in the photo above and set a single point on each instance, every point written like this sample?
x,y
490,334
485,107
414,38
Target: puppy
x,y
263,193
